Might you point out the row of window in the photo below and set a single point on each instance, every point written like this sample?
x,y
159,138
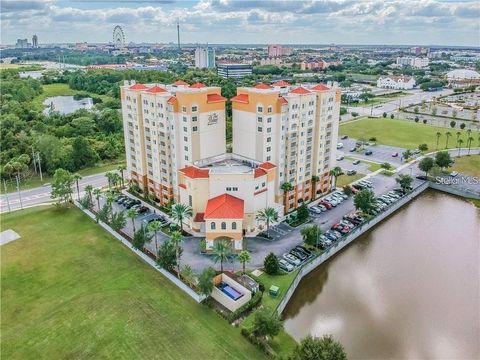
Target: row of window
x,y
223,226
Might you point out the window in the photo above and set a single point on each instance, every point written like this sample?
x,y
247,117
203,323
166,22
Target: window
x,y
269,139
269,148
184,109
234,226
190,200
186,158
259,129
269,130
212,226
270,109
259,119
185,138
194,108
235,188
269,120
194,128
224,226
229,188
260,109
185,148
194,118
185,129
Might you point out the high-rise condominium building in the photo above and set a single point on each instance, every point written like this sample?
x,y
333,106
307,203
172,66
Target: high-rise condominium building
x,y
35,41
295,128
168,127
204,57
278,50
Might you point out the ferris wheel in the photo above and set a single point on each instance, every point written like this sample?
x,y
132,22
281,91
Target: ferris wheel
x,y
118,37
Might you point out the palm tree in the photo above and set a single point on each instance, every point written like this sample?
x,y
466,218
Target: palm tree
x,y
244,257
110,198
116,179
458,135
97,192
88,190
447,134
469,142
286,187
155,227
221,252
438,138
267,215
76,177
109,176
132,214
179,212
315,179
334,173
176,239
121,168
459,145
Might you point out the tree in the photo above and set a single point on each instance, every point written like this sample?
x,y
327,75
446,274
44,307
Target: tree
x,y
452,124
454,114
271,264
386,166
155,227
311,235
221,252
76,177
118,221
89,190
179,212
384,115
407,154
459,145
267,215
416,110
448,134
364,201
132,214
104,214
62,186
405,181
443,159
176,239
426,164
266,323
188,275
97,193
82,153
85,202
334,173
109,175
315,179
121,168
244,257
110,198
140,238
392,116
302,212
205,281
439,134
347,190
324,348
462,126
423,147
167,256
469,143
286,187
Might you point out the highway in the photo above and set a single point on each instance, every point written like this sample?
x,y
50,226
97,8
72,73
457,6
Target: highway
x,y
41,194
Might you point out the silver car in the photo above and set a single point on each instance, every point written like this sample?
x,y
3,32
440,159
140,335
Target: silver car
x,y
292,259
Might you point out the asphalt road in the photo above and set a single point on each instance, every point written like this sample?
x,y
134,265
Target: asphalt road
x,y
41,194
380,153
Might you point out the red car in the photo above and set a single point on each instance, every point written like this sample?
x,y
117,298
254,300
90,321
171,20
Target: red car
x,y
326,204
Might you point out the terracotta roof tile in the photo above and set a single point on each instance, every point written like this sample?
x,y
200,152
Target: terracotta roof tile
x,y
138,86
320,87
300,90
282,100
259,172
195,173
212,98
281,83
197,86
156,89
172,100
262,86
241,98
224,206
267,165
199,217
180,82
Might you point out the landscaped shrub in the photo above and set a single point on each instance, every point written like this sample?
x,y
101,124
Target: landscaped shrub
x,y
254,301
270,264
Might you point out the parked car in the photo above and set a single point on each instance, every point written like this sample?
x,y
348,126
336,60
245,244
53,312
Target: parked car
x,y
298,254
339,145
305,250
143,210
340,158
344,137
315,210
356,162
292,259
395,154
326,204
285,265
330,236
368,152
353,149
351,172
321,207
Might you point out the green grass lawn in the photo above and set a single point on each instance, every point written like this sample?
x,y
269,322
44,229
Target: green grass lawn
x,y
343,180
401,133
74,292
35,181
469,165
380,99
50,90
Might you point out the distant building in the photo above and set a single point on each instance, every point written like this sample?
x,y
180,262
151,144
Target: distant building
x,y
204,57
414,62
236,71
396,82
462,78
276,61
278,50
22,44
35,41
418,50
318,64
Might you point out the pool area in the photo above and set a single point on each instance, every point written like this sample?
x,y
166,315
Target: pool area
x,y
230,291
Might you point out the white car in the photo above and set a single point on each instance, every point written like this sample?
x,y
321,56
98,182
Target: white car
x,y
321,208
315,210
285,265
339,145
292,259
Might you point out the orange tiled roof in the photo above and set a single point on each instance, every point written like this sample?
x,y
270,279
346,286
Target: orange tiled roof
x,y
194,173
138,86
281,83
180,82
224,206
262,86
320,87
156,89
242,98
259,172
198,217
282,100
197,85
211,98
172,100
267,165
300,90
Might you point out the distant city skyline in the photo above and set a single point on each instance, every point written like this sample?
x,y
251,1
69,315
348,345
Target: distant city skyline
x,y
389,22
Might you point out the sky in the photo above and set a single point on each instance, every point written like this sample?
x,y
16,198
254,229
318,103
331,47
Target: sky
x,y
362,22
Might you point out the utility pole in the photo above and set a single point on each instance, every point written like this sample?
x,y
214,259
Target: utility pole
x,y
34,160
39,166
6,194
18,190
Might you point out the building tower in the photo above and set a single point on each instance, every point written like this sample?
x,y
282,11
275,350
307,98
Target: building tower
x,y
204,57
35,41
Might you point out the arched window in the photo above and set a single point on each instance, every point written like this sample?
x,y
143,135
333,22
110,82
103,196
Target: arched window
x,y
234,226
212,226
224,226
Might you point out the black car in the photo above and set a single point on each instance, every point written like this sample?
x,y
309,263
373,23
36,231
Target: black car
x,y
421,177
344,137
298,254
351,172
303,249
368,152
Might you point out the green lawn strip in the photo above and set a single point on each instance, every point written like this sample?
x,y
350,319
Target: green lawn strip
x,y
343,180
51,90
373,166
468,165
475,202
35,181
70,290
402,133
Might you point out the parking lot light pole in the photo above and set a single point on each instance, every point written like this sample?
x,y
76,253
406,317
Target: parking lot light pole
x,y
19,194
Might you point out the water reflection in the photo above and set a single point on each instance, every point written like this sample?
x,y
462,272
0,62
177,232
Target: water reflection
x,y
409,289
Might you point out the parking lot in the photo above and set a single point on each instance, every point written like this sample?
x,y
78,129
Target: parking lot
x,y
380,153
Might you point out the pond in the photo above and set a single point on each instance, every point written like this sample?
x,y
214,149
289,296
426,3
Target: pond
x,y
408,289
